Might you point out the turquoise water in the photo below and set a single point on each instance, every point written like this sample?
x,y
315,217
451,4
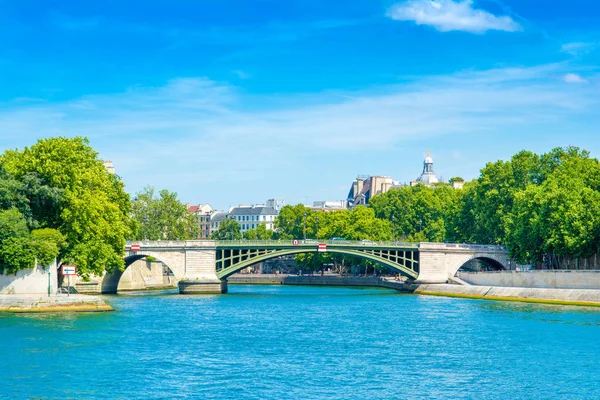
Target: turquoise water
x,y
285,342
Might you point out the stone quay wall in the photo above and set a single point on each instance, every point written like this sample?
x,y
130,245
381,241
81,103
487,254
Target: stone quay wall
x,y
550,279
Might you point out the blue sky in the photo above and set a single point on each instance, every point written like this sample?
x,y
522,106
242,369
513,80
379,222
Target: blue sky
x,y
231,102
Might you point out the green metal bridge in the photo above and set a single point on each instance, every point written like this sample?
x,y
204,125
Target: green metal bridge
x,y
202,266
232,256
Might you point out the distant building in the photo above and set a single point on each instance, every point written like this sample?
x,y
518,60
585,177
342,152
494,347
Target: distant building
x,y
365,188
203,213
428,177
108,165
249,217
458,183
330,205
215,220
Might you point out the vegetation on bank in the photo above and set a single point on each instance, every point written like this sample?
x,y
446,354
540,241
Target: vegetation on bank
x,y
61,203
58,201
541,207
161,217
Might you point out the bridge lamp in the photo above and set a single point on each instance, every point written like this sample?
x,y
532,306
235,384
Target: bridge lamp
x,y
304,227
317,219
144,226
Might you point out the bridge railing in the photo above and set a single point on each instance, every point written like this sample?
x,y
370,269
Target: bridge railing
x,y
488,247
314,242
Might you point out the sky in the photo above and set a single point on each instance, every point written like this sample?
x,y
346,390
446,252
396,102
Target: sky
x,y
233,102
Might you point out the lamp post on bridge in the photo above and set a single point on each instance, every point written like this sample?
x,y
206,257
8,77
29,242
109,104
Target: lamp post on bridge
x,y
304,229
144,226
317,220
393,228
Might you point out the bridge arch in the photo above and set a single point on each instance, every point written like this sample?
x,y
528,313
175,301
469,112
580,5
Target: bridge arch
x,y
402,264
493,261
110,282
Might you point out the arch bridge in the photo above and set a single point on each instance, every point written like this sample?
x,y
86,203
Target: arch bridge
x,y
202,266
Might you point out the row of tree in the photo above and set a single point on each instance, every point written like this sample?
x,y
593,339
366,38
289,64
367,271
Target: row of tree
x,y
537,205
57,200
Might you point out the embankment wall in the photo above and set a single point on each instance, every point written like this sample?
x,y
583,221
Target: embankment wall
x,y
551,279
589,297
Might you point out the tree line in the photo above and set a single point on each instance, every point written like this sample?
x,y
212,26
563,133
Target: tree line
x,y
58,201
539,206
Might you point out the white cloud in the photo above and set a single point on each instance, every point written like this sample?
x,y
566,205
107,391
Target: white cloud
x,y
195,135
574,78
448,15
578,48
241,74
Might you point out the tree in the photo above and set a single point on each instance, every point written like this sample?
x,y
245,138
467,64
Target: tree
x,y
290,222
259,233
229,229
162,217
362,224
47,244
561,216
417,210
93,211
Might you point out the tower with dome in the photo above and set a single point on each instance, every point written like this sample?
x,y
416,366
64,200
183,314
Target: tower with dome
x,y
428,177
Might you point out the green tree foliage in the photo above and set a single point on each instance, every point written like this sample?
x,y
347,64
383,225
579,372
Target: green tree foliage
x,y
19,248
38,202
76,196
419,213
259,233
535,204
16,253
12,224
229,229
47,244
561,216
162,217
290,222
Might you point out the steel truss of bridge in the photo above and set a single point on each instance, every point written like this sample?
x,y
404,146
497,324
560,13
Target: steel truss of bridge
x,y
232,256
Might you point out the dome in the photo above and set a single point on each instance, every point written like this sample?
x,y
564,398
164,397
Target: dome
x,y
427,179
428,176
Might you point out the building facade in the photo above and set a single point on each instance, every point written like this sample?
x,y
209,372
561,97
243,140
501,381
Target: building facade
x,y
249,217
203,213
365,188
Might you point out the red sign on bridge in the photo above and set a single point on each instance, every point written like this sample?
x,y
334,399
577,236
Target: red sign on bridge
x,y
322,248
135,247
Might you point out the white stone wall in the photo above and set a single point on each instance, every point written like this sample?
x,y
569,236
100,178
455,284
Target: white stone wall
x,y
30,281
536,279
440,261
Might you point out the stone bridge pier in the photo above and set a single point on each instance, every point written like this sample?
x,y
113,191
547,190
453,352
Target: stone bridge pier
x,y
192,263
439,262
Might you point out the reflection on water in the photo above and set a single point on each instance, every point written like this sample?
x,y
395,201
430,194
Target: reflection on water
x,y
264,342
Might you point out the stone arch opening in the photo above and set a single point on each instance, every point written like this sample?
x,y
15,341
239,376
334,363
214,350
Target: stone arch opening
x,y
481,264
248,261
141,272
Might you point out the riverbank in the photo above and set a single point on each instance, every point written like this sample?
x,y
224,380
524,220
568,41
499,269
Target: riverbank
x,y
54,303
304,280
572,297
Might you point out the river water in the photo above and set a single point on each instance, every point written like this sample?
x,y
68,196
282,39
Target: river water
x,y
287,342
